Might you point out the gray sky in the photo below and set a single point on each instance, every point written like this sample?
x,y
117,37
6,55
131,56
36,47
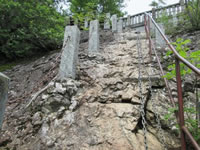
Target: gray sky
x,y
138,6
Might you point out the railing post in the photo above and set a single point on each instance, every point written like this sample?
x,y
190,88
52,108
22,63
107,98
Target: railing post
x,y
154,13
107,22
180,101
86,23
150,45
128,20
182,2
4,85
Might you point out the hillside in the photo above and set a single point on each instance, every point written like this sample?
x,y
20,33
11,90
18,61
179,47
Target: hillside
x,y
98,110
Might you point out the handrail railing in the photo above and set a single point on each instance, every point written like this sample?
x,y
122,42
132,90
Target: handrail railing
x,y
171,10
184,131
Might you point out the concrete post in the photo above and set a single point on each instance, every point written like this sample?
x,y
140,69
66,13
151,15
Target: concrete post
x,y
128,20
182,2
94,37
120,25
86,23
4,85
175,20
69,56
107,22
154,13
114,23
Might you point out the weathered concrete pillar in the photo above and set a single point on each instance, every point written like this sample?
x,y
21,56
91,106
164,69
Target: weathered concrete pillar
x,y
128,20
107,22
154,13
4,84
175,21
69,56
160,42
94,37
182,2
114,23
120,25
86,23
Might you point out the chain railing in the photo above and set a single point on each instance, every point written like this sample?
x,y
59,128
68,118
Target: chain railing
x,y
159,127
142,111
180,116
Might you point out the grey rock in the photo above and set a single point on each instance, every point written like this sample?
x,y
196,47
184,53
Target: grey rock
x,y
71,87
44,96
59,88
69,56
188,86
50,89
61,111
37,118
74,104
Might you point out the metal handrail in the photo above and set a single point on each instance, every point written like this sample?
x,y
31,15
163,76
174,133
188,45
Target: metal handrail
x,y
183,60
184,131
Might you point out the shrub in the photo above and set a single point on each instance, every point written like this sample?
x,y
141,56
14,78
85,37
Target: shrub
x,y
29,27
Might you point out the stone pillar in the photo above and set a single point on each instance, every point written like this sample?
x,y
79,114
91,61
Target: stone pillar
x,y
94,37
154,13
114,23
128,20
182,2
86,23
107,22
120,25
160,42
4,84
69,56
175,20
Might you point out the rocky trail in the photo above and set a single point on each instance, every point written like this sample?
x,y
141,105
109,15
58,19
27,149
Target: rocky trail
x,y
100,110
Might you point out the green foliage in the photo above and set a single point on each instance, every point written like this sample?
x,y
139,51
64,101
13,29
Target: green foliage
x,y
7,66
193,14
166,20
183,50
157,3
95,9
29,27
190,121
194,58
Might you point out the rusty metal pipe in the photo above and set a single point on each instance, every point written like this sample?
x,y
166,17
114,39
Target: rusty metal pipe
x,y
180,102
178,58
161,69
194,143
183,60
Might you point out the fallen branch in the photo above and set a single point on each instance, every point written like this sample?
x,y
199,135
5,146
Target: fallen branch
x,y
35,96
